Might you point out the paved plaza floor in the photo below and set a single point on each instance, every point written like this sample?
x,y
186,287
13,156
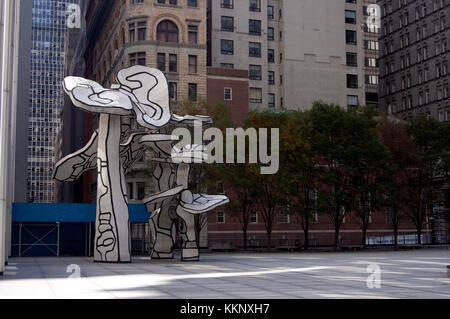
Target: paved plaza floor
x,y
406,274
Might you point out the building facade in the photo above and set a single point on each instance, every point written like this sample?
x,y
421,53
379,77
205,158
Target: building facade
x,y
48,36
297,51
166,34
414,58
414,76
230,86
70,136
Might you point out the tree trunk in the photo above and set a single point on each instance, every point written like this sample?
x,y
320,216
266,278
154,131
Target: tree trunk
x,y
245,239
306,232
269,240
364,235
336,239
419,235
395,237
112,240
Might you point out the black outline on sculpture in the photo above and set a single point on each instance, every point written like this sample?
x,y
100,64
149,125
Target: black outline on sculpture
x,y
142,93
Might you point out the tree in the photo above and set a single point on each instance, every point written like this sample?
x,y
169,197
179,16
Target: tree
x,y
299,163
431,147
266,190
338,138
401,148
370,168
237,179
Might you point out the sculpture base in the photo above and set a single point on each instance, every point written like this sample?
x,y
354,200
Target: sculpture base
x,y
112,262
161,256
190,254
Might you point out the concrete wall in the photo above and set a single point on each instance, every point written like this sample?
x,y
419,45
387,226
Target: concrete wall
x,y
23,104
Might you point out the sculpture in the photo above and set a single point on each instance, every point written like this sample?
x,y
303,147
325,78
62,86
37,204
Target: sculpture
x,y
142,94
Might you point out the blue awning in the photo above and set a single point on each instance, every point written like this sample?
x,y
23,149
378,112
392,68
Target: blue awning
x,y
68,213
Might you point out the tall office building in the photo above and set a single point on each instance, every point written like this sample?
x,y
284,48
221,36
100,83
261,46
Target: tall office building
x,y
297,51
48,36
414,58
70,136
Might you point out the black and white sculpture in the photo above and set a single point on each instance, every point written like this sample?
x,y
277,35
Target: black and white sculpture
x,y
141,94
171,180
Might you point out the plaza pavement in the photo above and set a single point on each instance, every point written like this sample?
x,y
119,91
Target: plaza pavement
x,y
405,274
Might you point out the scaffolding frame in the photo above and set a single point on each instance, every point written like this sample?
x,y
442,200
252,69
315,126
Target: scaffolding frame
x,y
39,239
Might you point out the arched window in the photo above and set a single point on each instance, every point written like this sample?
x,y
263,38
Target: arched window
x,y
167,31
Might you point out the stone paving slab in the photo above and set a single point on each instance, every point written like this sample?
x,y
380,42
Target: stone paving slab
x,y
405,274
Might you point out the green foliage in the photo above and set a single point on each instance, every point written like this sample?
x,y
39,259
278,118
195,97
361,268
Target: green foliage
x,y
336,162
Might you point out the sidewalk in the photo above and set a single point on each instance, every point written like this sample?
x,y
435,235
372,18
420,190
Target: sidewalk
x,y
405,274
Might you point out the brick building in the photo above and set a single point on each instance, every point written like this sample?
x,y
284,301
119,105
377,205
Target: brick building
x,y
230,86
225,230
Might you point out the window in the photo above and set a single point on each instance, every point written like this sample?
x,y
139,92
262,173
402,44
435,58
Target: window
x,y
271,78
141,190
270,34
220,217
137,58
137,1
350,16
138,28
271,100
352,81
220,188
352,59
437,48
173,63
193,34
192,3
254,27
254,49
172,2
130,190
173,91
161,62
192,91
371,45
255,95
228,4
255,5
283,217
227,47
253,218
350,37
371,79
227,24
271,55
227,65
255,72
371,62
192,68
167,31
270,12
227,94
352,100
